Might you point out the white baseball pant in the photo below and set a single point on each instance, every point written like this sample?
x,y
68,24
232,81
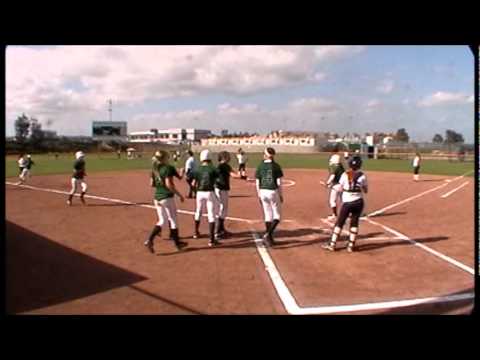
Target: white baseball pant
x,y
271,204
24,174
75,183
210,199
222,203
166,209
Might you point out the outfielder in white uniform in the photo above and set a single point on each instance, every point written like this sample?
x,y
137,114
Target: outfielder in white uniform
x,y
242,164
162,176
204,179
269,189
78,177
416,166
24,166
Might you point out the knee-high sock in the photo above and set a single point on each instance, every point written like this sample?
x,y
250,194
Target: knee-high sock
x,y
197,226
174,235
156,230
211,227
334,210
221,224
70,197
273,226
268,225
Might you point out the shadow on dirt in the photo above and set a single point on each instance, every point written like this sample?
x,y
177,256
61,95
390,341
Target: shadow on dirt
x,y
463,306
399,242
41,272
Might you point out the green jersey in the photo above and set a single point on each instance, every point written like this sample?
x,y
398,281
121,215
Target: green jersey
x,y
268,173
205,177
223,180
79,169
337,170
159,175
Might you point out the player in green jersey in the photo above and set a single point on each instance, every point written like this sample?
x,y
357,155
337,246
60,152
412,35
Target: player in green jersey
x,y
269,188
204,179
162,176
222,188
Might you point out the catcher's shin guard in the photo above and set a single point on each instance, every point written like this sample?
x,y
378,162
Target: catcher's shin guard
x,y
352,239
331,245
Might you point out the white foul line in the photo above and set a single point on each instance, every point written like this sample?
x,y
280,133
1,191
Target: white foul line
x,y
116,201
426,248
292,307
452,191
380,211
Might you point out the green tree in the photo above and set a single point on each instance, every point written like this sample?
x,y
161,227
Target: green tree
x,y
402,135
36,134
452,137
22,126
437,139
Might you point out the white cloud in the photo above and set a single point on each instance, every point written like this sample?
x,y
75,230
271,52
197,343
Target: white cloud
x,y
37,78
386,86
445,98
313,105
373,103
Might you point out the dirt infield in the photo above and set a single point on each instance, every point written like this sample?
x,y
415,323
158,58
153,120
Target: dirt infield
x,y
417,256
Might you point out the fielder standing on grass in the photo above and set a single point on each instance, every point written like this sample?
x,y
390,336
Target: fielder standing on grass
x,y
78,177
242,164
269,189
353,184
222,188
416,166
162,179
336,170
204,179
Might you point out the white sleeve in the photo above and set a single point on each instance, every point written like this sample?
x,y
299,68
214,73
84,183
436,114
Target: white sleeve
x,y
257,184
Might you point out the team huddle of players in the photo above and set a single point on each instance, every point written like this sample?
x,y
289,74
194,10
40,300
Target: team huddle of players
x,y
210,186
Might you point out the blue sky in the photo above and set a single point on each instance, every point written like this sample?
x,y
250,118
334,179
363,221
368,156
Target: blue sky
x,y
425,89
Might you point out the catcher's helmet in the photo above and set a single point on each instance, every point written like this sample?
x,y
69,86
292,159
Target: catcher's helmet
x,y
355,163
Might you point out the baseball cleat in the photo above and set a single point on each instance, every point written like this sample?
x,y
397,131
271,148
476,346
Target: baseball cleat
x,y
69,203
196,235
331,217
268,240
329,246
180,244
213,243
350,248
149,246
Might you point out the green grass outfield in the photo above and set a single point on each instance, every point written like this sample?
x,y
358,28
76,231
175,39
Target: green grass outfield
x,y
45,164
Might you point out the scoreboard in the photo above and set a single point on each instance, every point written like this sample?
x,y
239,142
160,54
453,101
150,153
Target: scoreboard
x,y
109,130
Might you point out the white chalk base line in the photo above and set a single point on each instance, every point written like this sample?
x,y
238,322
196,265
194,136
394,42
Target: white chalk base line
x,y
454,190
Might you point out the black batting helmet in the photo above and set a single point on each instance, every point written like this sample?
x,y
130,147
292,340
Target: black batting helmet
x,y
355,163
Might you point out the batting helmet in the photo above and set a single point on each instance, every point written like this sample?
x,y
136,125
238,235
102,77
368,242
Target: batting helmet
x,y
355,163
205,155
79,154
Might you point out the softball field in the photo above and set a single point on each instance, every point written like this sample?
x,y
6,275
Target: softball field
x,y
415,250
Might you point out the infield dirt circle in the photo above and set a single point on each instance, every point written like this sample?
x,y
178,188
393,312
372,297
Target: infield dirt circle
x,y
417,256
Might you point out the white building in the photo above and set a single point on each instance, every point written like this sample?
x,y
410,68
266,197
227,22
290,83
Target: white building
x,y
169,136
292,140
